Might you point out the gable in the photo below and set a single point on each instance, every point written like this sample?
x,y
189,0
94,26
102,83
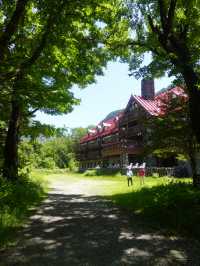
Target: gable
x,y
132,105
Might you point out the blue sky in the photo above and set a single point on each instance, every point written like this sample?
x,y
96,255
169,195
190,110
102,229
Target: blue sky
x,y
110,92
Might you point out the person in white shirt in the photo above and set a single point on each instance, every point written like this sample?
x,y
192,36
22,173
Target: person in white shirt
x,y
129,175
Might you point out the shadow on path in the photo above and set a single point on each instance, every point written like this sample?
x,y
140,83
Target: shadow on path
x,y
91,231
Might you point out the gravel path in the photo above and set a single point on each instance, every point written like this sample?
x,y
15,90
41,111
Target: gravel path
x,y
73,227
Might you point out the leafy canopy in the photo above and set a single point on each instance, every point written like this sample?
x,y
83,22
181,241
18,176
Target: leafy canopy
x,y
169,30
57,44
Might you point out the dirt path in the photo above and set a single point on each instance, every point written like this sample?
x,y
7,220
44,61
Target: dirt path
x,y
74,227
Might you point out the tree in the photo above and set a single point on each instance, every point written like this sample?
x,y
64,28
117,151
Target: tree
x,y
169,30
11,25
48,46
171,134
44,146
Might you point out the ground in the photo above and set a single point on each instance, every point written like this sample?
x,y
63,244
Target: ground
x,y
75,225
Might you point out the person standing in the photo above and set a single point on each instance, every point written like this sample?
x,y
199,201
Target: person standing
x,y
141,173
129,175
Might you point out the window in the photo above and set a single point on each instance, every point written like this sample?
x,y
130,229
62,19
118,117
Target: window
x,y
132,123
133,107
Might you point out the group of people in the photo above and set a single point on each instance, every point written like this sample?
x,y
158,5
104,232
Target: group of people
x,y
140,173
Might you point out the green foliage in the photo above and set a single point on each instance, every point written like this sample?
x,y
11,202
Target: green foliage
x,y
72,164
57,45
171,134
165,133
47,162
44,171
34,129
167,29
169,205
168,32
16,198
90,173
46,48
57,149
179,202
52,148
102,172
27,156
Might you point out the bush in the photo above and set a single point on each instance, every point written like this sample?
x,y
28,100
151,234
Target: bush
x,y
47,162
90,173
72,164
15,200
102,172
27,158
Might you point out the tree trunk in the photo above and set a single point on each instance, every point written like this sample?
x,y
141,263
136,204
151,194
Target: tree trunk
x,y
194,109
195,176
192,81
10,167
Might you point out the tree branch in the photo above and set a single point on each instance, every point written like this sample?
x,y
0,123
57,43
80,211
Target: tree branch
x,y
170,16
11,27
154,28
163,15
33,111
40,47
37,52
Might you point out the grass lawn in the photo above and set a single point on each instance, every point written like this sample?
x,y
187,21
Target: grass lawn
x,y
169,205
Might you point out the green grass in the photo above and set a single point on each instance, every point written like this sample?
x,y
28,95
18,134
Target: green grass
x,y
168,205
173,207
165,204
16,200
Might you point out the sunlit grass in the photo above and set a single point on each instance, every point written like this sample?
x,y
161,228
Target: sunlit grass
x,y
170,205
16,199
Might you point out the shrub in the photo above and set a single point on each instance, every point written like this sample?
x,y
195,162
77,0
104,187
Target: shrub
x,y
48,163
90,173
72,164
102,172
15,200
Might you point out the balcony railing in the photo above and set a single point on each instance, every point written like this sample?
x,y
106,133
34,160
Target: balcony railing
x,y
93,155
93,146
104,145
129,117
135,130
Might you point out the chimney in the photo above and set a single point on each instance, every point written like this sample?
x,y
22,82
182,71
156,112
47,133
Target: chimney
x,y
147,89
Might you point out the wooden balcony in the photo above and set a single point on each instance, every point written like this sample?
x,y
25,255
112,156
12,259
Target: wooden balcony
x,y
134,131
129,132
93,155
135,148
111,150
129,117
93,146
104,145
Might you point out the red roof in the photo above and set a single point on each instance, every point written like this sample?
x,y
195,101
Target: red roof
x,y
153,107
107,127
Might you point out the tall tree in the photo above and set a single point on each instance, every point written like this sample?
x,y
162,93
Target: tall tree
x,y
170,134
169,30
11,24
54,45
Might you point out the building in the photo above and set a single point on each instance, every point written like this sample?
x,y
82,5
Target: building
x,y
121,137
